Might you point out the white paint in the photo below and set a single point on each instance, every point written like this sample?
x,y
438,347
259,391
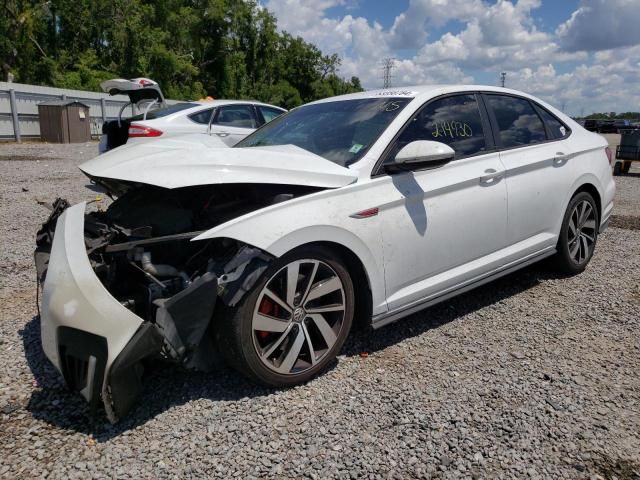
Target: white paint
x,y
69,308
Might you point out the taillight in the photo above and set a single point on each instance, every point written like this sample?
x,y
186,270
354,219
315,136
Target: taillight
x,y
142,131
607,150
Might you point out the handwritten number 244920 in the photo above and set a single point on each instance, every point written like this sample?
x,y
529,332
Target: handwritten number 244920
x,y
451,129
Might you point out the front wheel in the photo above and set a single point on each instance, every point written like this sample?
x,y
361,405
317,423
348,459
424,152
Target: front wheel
x,y
578,234
294,322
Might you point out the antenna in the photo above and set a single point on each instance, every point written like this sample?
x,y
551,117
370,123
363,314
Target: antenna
x,y
387,66
503,77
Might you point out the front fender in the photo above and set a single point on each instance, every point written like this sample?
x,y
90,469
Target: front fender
x,y
280,231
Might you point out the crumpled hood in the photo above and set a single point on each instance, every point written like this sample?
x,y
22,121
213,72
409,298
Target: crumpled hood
x,y
191,160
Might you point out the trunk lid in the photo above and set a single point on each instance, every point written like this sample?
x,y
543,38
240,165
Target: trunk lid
x,y
137,89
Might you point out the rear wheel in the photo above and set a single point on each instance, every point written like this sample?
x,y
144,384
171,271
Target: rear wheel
x,y
626,167
294,322
617,168
578,234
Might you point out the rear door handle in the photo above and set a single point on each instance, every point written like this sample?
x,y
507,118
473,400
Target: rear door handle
x,y
222,134
560,159
491,177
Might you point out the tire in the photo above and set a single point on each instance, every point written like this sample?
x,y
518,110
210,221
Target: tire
x,y
279,337
617,168
578,235
626,167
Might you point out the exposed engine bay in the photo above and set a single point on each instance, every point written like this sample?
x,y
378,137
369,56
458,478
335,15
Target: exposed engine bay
x,y
141,247
141,250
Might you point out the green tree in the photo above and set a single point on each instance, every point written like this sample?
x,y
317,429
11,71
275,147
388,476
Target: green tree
x,y
224,48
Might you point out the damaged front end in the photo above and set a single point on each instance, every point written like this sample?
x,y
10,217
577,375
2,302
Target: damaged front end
x,y
128,285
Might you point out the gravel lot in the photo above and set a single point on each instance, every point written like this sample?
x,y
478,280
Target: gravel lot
x,y
532,376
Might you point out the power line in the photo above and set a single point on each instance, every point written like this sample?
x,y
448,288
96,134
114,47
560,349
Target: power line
x,y
387,66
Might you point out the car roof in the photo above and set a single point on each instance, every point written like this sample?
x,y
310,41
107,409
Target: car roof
x,y
423,91
219,102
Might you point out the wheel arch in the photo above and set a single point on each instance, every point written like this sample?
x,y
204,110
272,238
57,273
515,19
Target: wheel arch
x,y
359,276
586,183
591,189
359,258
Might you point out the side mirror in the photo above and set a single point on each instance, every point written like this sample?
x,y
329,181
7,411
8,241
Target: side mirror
x,y
420,155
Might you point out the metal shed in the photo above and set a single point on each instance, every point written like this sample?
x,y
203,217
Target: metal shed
x,y
64,121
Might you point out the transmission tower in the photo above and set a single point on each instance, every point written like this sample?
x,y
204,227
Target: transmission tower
x,y
387,66
503,77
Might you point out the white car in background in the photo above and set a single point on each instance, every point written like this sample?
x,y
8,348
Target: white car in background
x,y
372,205
227,120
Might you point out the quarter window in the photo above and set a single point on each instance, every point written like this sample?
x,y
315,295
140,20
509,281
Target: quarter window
x,y
269,113
202,116
236,116
518,122
452,120
555,127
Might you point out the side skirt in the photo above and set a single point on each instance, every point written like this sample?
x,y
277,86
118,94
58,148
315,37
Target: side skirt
x,y
390,317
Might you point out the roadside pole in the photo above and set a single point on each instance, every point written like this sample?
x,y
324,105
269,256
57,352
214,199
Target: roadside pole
x,y
14,115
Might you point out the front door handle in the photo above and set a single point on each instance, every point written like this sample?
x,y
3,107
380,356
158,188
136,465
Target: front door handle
x,y
222,134
491,177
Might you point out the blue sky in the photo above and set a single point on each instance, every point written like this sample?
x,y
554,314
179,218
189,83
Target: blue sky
x,y
580,54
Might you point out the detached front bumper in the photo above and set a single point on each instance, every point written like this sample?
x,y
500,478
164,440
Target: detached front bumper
x,y
86,332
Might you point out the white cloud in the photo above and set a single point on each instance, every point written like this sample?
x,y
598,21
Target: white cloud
x,y
607,86
500,36
409,28
601,25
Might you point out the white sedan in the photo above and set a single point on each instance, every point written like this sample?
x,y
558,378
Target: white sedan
x,y
372,205
227,120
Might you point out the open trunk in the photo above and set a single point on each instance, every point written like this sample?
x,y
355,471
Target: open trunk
x,y
143,93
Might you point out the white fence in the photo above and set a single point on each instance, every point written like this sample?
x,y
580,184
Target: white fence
x,y
27,97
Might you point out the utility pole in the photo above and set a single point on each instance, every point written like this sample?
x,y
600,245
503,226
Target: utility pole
x,y
387,66
503,77
563,106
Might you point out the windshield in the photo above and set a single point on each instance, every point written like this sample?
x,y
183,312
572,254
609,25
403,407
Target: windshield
x,y
340,131
163,112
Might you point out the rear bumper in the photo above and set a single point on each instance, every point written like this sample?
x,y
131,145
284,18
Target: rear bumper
x,y
84,328
608,196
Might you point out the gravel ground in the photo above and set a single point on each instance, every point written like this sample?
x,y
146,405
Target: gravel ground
x,y
532,376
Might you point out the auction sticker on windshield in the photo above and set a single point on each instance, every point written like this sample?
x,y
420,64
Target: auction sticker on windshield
x,y
396,93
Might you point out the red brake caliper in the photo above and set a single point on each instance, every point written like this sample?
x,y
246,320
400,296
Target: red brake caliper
x,y
267,307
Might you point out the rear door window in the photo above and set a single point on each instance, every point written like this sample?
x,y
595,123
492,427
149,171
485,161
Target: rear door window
x,y
517,121
453,120
236,116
